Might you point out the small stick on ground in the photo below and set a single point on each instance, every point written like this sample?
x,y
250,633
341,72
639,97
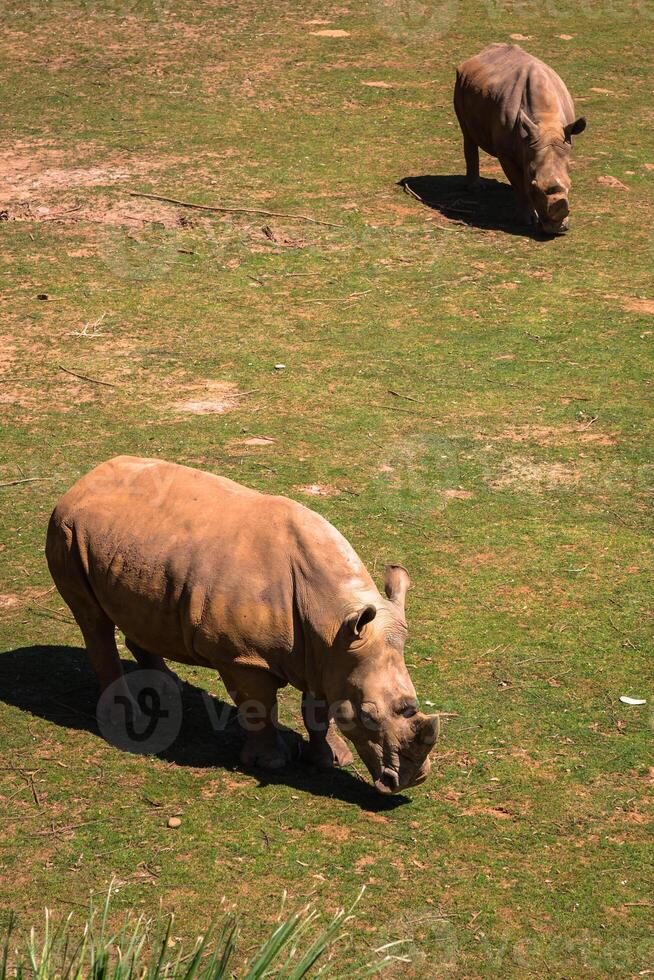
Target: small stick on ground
x,y
53,217
84,377
398,394
220,210
409,190
30,479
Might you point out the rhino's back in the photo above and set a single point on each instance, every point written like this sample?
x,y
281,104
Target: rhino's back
x,y
159,542
492,87
196,567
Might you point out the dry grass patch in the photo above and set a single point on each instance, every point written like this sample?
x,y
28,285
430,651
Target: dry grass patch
x,y
211,398
638,305
521,473
551,435
317,490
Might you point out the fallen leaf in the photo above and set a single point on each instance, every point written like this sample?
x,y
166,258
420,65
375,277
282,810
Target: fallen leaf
x,y
566,37
602,91
377,84
521,37
627,700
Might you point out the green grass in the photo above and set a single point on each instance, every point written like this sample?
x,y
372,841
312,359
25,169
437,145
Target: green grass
x,y
148,949
513,476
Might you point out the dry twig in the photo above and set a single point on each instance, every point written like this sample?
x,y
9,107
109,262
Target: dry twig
x,y
84,377
220,210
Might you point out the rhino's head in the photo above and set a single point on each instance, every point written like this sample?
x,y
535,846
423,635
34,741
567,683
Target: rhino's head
x,y
547,171
376,705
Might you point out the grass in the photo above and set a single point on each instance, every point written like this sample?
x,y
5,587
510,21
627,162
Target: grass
x,y
147,949
511,472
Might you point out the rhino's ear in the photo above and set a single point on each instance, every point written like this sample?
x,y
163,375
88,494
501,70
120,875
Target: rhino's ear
x,y
396,584
361,618
528,127
573,129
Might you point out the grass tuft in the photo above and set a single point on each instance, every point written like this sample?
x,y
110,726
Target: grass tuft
x,y
143,948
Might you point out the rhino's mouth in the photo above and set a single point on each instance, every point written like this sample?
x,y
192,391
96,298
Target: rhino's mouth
x,y
390,778
555,228
388,781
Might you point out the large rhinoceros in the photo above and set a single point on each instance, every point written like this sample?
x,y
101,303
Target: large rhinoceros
x,y
516,108
195,568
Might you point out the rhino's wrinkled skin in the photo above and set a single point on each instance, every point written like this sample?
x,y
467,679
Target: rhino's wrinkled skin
x,y
197,569
516,108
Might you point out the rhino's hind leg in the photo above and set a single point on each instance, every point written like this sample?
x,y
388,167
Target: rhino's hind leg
x,y
149,661
100,640
326,748
471,153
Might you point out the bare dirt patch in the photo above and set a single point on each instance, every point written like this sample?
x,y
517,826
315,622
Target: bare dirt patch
x,y
608,181
498,812
521,473
317,490
634,305
7,356
40,182
134,213
28,171
333,831
551,435
9,601
257,441
213,398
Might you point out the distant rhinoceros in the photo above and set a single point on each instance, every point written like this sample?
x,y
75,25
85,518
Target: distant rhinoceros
x,y
197,569
516,108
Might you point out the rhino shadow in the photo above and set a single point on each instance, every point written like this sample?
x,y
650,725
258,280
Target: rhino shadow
x,y
56,683
492,207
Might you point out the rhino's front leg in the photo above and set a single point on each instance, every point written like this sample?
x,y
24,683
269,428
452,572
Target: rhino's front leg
x,y
254,692
515,173
326,748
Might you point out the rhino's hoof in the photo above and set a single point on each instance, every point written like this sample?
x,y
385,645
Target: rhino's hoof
x,y
330,753
265,754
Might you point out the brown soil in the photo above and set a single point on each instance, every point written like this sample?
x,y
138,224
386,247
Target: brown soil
x,y
551,435
633,305
317,490
213,398
523,474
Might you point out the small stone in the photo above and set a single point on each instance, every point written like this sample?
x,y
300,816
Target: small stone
x,y
279,367
174,823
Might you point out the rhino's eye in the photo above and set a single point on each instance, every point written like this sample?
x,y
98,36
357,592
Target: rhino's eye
x,y
409,710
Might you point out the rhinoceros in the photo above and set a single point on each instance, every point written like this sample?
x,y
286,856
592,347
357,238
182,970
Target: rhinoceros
x,y
197,569
518,109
